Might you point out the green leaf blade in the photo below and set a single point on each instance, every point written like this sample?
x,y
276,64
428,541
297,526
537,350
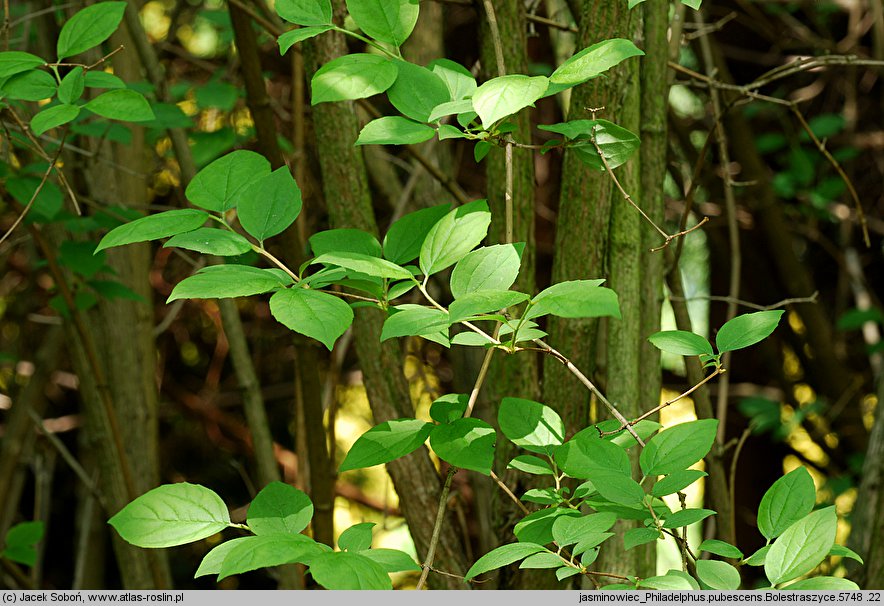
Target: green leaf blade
x,y
788,500
394,130
802,546
16,62
747,329
226,281
681,342
502,556
305,12
270,205
217,186
385,442
89,27
279,509
488,268
348,571
354,76
505,95
121,104
390,21
405,237
531,425
575,299
251,553
593,61
453,236
154,227
466,443
53,117
678,447
315,314
210,241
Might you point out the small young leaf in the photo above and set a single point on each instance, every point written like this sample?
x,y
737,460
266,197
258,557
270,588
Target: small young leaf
x,y
675,481
575,299
269,205
592,61
531,464
481,150
211,241
72,85
391,560
386,442
394,130
265,551
802,546
721,548
172,514
788,500
542,496
89,27
292,37
356,538
639,536
353,76
681,343
348,571
217,186
34,85
678,447
488,268
757,558
344,240
845,552
305,12
502,556
417,91
449,108
54,116
453,236
279,509
226,281
465,443
405,237
506,95
315,314
686,517
823,584
718,575
449,407
21,541
390,21
531,425
154,227
16,62
747,329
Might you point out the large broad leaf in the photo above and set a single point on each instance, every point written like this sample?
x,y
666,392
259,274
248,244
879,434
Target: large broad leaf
x,y
575,299
270,204
453,236
217,186
569,530
390,21
593,61
789,499
225,281
483,301
364,264
356,538
394,130
503,556
318,315
414,320
802,547
488,268
89,27
531,425
121,104
16,62
405,237
290,38
211,241
391,560
173,514
586,452
747,329
465,443
386,442
505,95
279,509
71,87
417,91
353,76
213,560
678,447
640,536
681,343
52,117
154,227
344,240
347,571
305,12
268,550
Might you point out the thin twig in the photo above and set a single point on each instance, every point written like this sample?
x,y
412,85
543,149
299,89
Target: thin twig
x,y
509,493
718,371
811,299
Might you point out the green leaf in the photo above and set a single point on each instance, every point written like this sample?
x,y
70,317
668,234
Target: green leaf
x,y
586,452
265,551
488,268
502,556
531,425
347,571
15,62
678,447
544,559
593,61
537,527
505,95
226,281
633,3
48,202
21,541
481,150
154,227
757,558
279,509
390,21
365,264
405,237
453,236
449,108
788,500
823,584
212,561
644,429
34,85
721,548
531,464
675,481
353,76
52,117
80,258
694,4
681,343
465,443
89,27
211,241
391,560
617,144
72,85
483,301
269,205
217,94
344,240
565,572
394,130
569,530
639,536
747,329
292,37
686,517
414,320
385,442
217,186
575,299
96,79
449,407
356,538
305,12
845,552
802,546
459,80
543,496
172,514
668,581
315,314
417,91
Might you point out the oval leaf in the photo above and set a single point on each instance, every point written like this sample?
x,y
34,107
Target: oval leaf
x,y
318,315
488,268
34,85
290,38
121,104
453,236
417,91
575,299
414,320
347,571
802,546
385,442
353,76
718,575
593,61
210,241
678,447
305,12
531,425
686,517
721,548
390,21
403,242
269,550
747,329
269,205
16,62
505,95
226,281
502,556
279,509
52,117
391,560
217,186
465,443
154,227
364,264
681,343
89,27
394,130
788,500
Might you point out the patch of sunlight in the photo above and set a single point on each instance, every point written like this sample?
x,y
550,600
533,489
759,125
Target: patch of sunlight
x,y
791,463
242,121
423,385
685,103
795,322
804,393
869,403
679,412
801,441
791,365
156,22
200,39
